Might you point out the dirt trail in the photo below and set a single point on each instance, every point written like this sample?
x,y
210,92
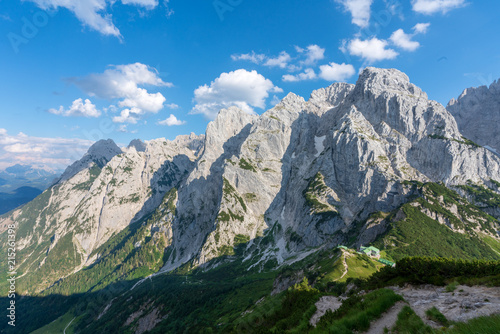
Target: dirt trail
x,y
68,325
388,319
344,262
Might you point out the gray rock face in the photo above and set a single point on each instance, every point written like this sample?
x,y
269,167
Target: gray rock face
x,y
303,171
297,176
100,154
477,111
98,196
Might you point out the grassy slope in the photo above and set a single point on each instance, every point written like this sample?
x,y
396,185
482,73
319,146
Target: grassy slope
x,y
216,300
419,235
59,325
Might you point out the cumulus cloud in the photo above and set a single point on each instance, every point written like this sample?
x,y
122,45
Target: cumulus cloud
x,y
171,120
122,82
130,116
421,28
57,153
308,74
429,7
94,13
313,53
404,40
359,9
336,72
78,109
371,50
240,88
281,61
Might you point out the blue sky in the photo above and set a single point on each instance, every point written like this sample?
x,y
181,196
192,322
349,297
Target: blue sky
x,y
73,72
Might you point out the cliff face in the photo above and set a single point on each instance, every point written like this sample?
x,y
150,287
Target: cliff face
x,y
95,198
300,175
477,111
305,171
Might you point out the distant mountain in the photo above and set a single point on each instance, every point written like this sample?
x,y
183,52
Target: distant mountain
x,y
17,176
20,196
372,163
20,184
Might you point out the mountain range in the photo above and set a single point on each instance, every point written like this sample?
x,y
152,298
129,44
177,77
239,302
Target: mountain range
x,y
19,184
372,163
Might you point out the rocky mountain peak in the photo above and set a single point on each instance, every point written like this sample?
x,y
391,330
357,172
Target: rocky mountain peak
x,y
100,153
477,112
192,141
104,148
332,95
291,99
228,123
138,144
391,81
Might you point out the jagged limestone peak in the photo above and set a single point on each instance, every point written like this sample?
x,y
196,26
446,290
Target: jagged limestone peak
x,y
100,153
477,111
376,81
138,144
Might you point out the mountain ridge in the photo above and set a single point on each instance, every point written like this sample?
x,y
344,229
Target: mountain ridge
x,y
302,175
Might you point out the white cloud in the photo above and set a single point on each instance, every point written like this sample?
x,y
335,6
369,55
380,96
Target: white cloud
x,y
281,61
171,120
131,116
306,57
359,9
93,13
172,106
252,57
434,6
403,40
421,28
57,153
149,4
313,54
90,12
371,50
308,74
241,88
122,82
78,109
336,72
